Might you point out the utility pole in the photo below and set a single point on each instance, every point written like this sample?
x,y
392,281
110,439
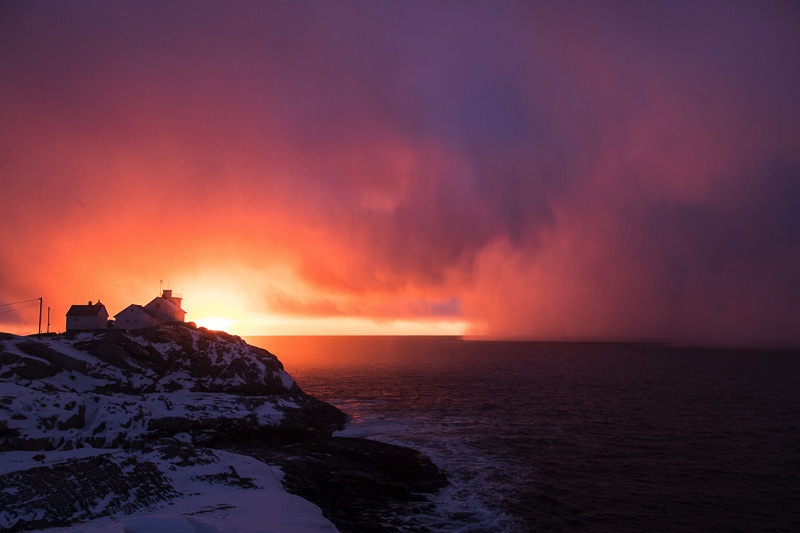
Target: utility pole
x,y
40,316
48,319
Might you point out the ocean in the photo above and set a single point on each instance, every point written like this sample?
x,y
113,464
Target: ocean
x,y
574,436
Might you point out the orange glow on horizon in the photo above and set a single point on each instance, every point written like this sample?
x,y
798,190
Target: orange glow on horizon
x,y
254,324
246,302
301,326
215,323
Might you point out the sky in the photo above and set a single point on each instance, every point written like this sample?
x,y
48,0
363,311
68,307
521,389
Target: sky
x,y
539,170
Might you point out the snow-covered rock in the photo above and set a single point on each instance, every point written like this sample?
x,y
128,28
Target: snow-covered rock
x,y
163,487
175,428
160,359
115,389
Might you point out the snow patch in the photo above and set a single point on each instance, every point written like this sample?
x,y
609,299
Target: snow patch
x,y
183,437
218,507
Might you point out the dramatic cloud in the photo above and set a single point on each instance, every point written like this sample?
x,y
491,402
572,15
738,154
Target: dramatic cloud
x,y
618,170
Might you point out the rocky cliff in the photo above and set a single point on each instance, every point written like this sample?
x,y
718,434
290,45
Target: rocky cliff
x,y
113,415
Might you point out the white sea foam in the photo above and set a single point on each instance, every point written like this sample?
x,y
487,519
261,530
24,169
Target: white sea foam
x,y
470,503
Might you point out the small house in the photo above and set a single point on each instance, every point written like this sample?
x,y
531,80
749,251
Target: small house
x,y
167,308
87,317
135,317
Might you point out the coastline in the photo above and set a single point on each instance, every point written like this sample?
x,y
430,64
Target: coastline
x,y
182,399
361,485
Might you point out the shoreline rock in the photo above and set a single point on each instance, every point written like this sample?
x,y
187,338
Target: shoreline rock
x,y
361,485
178,387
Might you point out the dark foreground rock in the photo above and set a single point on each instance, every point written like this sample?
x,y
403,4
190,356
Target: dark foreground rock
x,y
361,485
78,490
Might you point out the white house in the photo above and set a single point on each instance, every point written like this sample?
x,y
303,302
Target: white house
x,y
167,308
164,308
87,317
134,317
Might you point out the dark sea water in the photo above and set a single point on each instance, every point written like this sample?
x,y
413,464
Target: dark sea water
x,y
574,436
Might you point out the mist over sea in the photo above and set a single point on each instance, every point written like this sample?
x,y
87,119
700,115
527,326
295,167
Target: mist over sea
x,y
574,436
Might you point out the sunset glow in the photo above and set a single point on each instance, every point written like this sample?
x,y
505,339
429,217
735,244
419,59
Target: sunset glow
x,y
549,170
216,324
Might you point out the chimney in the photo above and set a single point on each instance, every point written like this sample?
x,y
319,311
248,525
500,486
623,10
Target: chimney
x,y
90,302
167,293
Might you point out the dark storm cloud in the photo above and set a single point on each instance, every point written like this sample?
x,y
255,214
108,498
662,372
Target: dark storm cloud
x,y
570,169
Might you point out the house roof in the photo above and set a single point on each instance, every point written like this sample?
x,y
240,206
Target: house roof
x,y
138,308
87,310
169,302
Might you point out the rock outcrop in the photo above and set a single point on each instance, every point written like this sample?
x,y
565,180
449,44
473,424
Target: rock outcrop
x,y
125,409
113,389
362,485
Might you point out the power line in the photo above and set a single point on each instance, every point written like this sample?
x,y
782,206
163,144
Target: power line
x,y
15,307
4,311
23,301
32,304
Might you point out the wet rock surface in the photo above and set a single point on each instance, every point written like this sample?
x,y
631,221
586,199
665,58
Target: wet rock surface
x,y
360,485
